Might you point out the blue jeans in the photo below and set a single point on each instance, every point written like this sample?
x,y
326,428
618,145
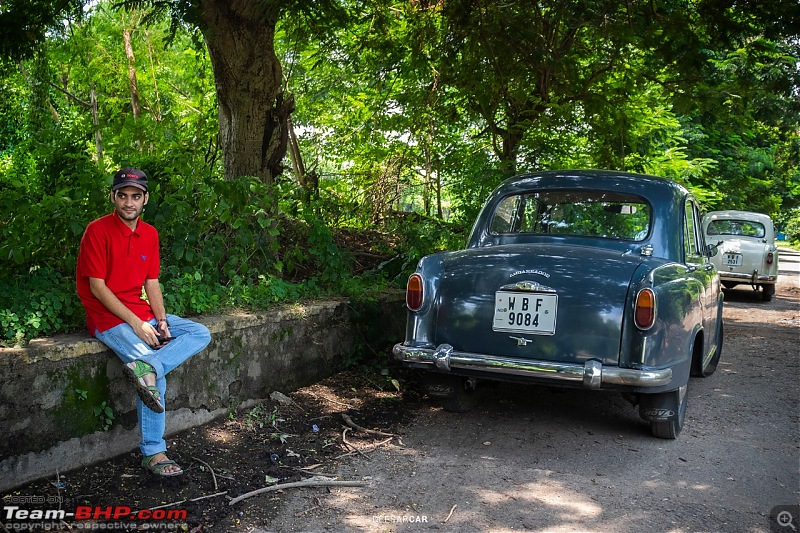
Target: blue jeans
x,y
191,337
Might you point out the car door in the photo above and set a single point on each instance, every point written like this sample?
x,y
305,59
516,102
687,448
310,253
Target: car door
x,y
700,269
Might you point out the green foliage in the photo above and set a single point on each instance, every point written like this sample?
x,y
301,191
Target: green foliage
x,y
104,415
789,224
264,291
24,24
50,186
222,229
419,236
187,294
40,303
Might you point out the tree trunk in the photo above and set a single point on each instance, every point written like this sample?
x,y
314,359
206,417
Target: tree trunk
x,y
253,112
426,191
132,84
156,107
439,213
98,139
296,156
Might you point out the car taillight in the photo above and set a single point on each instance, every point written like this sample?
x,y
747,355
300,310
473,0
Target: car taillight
x,y
645,313
414,292
769,258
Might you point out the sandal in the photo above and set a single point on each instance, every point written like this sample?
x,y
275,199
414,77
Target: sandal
x,y
158,468
150,395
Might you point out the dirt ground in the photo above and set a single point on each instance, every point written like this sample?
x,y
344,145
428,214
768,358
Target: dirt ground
x,y
527,458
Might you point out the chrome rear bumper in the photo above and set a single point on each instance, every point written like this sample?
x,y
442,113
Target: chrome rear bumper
x,y
592,373
753,278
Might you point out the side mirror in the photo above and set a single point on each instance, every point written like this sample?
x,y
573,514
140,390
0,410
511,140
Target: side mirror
x,y
712,249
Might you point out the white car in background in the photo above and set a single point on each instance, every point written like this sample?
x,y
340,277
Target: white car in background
x,y
746,251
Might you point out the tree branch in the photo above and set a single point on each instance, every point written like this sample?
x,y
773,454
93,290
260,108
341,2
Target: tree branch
x,y
311,482
349,422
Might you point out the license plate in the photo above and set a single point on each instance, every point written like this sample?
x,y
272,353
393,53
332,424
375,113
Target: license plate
x,y
732,259
525,312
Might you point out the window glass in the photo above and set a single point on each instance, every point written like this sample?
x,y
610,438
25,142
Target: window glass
x,y
582,213
743,228
691,235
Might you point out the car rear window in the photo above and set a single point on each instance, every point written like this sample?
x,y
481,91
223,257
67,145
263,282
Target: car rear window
x,y
742,228
583,213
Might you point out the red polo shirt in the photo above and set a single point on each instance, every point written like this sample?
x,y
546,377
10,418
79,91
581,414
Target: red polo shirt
x,y
124,259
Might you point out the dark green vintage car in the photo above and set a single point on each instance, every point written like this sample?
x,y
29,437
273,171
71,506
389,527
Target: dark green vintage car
x,y
586,278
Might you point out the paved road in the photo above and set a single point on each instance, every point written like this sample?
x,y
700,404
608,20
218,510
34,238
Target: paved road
x,y
789,263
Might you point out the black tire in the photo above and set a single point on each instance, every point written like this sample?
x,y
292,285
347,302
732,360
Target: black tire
x,y
729,284
462,394
697,363
767,292
666,412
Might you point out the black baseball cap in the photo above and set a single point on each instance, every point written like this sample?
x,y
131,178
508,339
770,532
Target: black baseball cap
x,y
129,177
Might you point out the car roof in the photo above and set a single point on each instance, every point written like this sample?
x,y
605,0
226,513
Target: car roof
x,y
732,214
556,176
652,187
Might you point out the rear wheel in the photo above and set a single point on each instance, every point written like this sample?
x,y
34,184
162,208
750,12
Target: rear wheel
x,y
666,412
767,292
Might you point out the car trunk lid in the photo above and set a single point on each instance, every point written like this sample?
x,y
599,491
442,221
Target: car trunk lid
x,y
556,302
741,255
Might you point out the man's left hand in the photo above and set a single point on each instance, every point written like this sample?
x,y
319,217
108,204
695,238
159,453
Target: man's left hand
x,y
162,329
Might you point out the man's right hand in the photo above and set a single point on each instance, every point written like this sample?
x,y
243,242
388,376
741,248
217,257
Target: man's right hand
x,y
146,332
143,330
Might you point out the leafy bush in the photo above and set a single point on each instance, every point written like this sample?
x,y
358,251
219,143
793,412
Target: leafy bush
x,y
42,303
789,224
419,236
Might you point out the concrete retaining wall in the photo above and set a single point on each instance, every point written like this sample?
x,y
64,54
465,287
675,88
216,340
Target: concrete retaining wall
x,y
52,392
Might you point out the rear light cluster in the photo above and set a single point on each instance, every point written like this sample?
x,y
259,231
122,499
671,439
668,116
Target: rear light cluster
x,y
770,258
414,292
645,313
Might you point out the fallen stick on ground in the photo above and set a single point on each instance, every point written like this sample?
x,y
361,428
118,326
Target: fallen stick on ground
x,y
305,472
452,509
213,475
349,422
351,446
326,399
189,500
370,449
311,482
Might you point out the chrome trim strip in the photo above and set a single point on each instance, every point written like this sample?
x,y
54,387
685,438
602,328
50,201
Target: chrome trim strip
x,y
745,277
592,374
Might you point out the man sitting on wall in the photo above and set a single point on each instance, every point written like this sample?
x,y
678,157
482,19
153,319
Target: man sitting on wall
x,y
119,256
